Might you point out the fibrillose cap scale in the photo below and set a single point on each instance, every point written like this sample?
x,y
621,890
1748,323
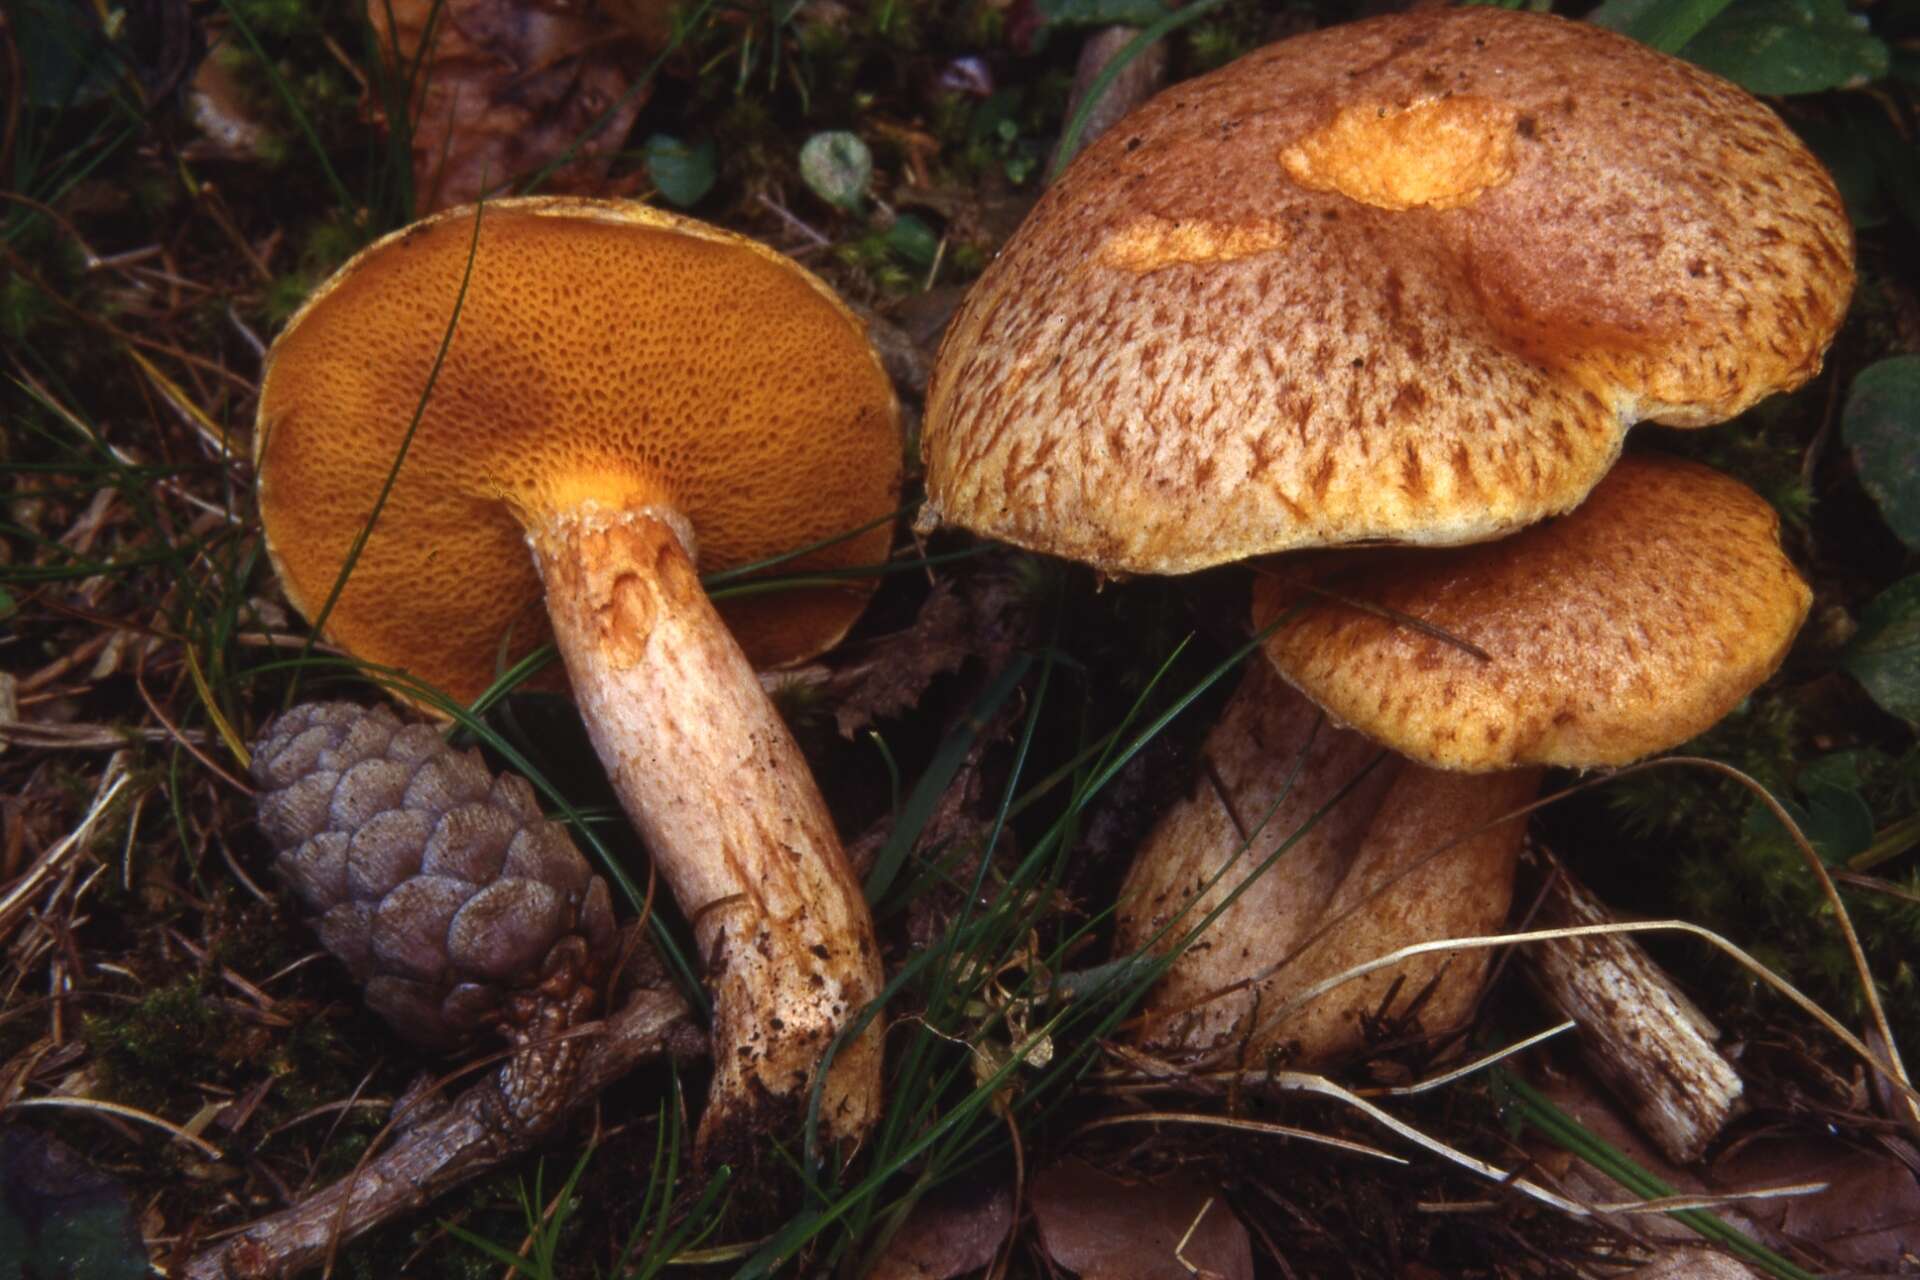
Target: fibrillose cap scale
x,y
606,354
1409,279
1596,639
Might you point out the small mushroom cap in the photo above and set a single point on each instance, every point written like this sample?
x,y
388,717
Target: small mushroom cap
x,y
605,352
1407,279
1620,630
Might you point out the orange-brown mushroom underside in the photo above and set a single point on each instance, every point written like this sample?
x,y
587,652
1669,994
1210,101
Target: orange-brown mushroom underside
x,y
603,353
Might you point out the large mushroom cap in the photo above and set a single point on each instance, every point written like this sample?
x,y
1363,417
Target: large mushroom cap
x,y
1618,631
605,352
1406,279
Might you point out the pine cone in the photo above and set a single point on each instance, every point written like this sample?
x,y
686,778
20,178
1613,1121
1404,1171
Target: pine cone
x,y
442,889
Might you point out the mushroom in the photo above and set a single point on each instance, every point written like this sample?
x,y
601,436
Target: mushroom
x,y
1595,639
625,394
1408,279
1405,280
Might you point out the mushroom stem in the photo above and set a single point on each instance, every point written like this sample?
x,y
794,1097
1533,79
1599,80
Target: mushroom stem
x,y
1374,860
714,782
1268,765
1437,862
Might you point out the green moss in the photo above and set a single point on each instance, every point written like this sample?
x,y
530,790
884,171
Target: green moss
x,y
159,1041
984,25
283,296
157,195
965,260
1696,844
1759,738
324,246
23,308
1236,28
898,23
278,19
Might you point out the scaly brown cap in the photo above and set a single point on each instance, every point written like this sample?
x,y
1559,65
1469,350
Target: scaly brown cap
x,y
1405,279
1612,633
606,352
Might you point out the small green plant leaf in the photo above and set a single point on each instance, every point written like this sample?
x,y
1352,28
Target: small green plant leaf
x,y
1666,25
1898,165
1873,164
1885,653
1839,823
67,60
1790,46
913,240
1100,13
836,166
1881,424
61,1217
1852,163
1834,819
682,171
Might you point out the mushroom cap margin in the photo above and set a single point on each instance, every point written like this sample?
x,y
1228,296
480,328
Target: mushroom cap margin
x,y
1610,634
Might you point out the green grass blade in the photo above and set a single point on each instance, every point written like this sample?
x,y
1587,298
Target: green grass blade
x,y
400,455
292,103
1069,144
1539,1111
946,762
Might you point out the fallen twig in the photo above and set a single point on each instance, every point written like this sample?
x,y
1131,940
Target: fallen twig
x,y
1645,1040
478,1131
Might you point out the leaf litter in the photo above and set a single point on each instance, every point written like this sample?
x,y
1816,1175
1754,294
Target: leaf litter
x,y
123,858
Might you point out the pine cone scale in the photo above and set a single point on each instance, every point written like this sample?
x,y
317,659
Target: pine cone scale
x,y
385,851
370,788
410,926
507,928
444,890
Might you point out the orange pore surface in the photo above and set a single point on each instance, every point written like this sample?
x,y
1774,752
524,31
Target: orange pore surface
x,y
604,353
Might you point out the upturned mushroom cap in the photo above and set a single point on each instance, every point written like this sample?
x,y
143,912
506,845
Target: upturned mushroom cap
x,y
605,352
1612,633
1406,279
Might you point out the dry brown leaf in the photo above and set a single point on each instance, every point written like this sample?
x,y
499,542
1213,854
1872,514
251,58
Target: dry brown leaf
x,y
1868,1216
1103,1228
901,666
1580,1096
1132,84
1691,1264
506,88
220,111
982,616
907,361
923,318
949,1233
